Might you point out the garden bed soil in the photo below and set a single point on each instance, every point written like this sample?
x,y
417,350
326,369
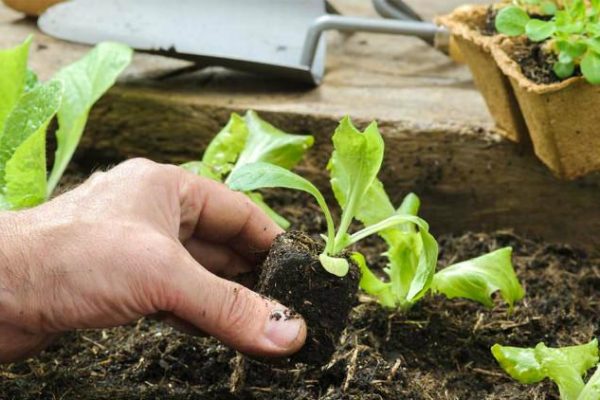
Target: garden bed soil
x,y
473,31
438,350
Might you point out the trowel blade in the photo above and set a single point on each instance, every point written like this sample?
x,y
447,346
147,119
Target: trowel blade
x,y
265,35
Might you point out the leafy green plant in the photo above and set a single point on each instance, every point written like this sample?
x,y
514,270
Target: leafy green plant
x,y
411,271
27,107
354,165
413,251
573,34
246,140
565,366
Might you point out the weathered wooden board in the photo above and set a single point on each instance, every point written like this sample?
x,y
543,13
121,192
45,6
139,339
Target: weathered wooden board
x,y
437,131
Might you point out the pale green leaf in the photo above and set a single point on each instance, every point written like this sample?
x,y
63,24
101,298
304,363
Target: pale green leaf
x,y
538,30
225,148
591,391
565,366
354,166
334,265
372,285
22,146
85,81
512,21
13,75
259,201
479,278
268,144
590,67
261,175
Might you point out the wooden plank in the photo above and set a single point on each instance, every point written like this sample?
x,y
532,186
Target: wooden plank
x,y
468,179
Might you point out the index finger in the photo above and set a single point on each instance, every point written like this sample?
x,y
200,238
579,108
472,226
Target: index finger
x,y
211,211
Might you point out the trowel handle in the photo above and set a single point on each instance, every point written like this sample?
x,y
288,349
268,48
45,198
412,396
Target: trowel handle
x,y
396,9
435,35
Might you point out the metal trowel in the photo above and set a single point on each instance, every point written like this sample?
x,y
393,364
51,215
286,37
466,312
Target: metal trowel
x,y
278,37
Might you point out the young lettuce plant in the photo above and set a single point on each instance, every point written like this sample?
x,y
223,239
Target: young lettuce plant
x,y
354,165
249,140
573,34
26,108
412,256
565,366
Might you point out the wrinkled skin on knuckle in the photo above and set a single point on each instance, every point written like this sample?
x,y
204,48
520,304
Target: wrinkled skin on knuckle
x,y
237,313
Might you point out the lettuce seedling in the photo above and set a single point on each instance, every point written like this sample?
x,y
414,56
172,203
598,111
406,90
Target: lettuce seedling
x,y
354,165
413,259
248,140
26,108
565,366
573,34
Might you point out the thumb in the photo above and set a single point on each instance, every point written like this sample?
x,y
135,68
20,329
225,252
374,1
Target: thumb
x,y
239,317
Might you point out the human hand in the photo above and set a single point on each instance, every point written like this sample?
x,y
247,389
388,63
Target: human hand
x,y
142,239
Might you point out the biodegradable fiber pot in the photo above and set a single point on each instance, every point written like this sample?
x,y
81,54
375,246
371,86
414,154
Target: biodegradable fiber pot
x,y
467,24
31,7
292,274
563,122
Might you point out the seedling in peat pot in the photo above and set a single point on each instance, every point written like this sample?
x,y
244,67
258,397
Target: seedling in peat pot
x,y
412,256
565,366
26,108
320,282
573,35
248,140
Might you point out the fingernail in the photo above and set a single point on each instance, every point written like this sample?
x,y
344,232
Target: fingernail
x,y
283,328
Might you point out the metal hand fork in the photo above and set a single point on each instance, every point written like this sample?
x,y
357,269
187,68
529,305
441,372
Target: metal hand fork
x,y
276,37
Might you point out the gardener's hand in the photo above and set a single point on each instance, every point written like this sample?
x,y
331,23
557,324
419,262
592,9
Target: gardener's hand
x,y
142,239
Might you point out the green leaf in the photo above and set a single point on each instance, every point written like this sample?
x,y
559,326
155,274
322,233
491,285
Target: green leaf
x,y
564,70
479,278
250,177
591,391
85,82
268,144
520,363
593,44
548,8
538,30
353,167
590,67
413,258
565,366
23,147
258,200
335,265
512,21
225,148
372,285
13,64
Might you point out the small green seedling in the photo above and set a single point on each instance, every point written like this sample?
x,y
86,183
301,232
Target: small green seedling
x,y
565,366
573,34
26,108
249,140
412,255
354,165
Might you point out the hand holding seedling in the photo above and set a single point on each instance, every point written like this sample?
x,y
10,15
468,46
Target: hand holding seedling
x,y
142,239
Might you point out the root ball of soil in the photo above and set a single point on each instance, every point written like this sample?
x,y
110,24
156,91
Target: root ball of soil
x,y
293,275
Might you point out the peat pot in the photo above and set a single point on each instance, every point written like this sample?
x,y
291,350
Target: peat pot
x,y
467,24
562,119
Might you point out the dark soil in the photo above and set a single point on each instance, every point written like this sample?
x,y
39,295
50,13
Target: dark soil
x,y
489,28
438,350
536,63
293,275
